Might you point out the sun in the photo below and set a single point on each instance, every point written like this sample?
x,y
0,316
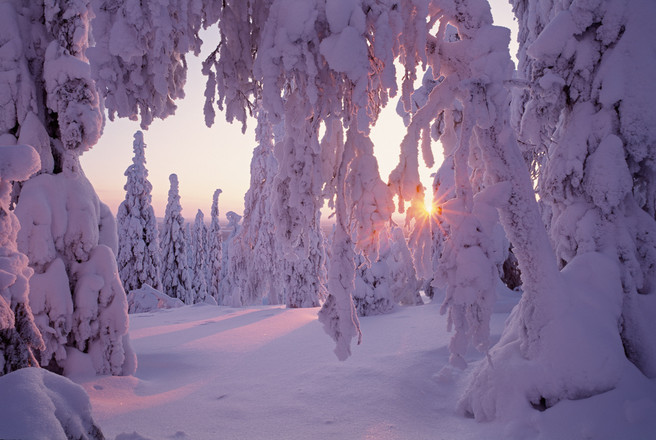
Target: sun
x,y
429,206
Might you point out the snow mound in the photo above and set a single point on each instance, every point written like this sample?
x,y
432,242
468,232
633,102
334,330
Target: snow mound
x,y
148,299
38,405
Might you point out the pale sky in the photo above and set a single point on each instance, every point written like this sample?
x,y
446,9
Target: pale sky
x,y
219,157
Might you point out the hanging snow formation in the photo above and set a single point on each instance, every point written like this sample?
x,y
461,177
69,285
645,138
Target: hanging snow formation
x,y
138,243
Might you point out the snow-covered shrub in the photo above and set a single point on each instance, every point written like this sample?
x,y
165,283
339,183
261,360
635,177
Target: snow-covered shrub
x,y
38,404
176,277
147,299
138,250
20,339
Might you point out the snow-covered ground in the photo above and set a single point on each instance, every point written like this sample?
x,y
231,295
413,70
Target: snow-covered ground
x,y
208,372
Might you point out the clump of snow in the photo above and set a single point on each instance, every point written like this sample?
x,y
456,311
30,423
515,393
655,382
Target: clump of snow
x,y
148,299
40,405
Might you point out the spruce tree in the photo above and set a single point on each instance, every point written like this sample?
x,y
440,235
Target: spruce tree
x,y
176,278
138,241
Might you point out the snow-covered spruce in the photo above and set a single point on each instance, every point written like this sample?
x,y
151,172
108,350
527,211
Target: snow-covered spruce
x,y
200,258
176,276
50,103
255,248
138,241
215,250
390,280
230,266
20,339
588,65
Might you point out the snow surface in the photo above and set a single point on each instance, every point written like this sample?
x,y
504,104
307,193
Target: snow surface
x,y
268,372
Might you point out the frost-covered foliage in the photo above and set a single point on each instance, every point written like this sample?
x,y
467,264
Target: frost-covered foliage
x,y
199,260
147,299
230,265
215,250
138,243
588,65
256,251
176,276
20,339
139,58
38,404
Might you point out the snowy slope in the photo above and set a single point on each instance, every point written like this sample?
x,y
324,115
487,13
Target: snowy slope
x,y
208,372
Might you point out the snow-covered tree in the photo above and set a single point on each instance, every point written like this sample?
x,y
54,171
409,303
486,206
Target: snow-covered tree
x,y
20,339
199,240
50,102
403,282
215,250
390,280
311,64
138,242
255,247
176,277
588,69
230,293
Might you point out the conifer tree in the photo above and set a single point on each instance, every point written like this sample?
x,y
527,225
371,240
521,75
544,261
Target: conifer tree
x,y
199,269
50,102
176,278
138,240
215,251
